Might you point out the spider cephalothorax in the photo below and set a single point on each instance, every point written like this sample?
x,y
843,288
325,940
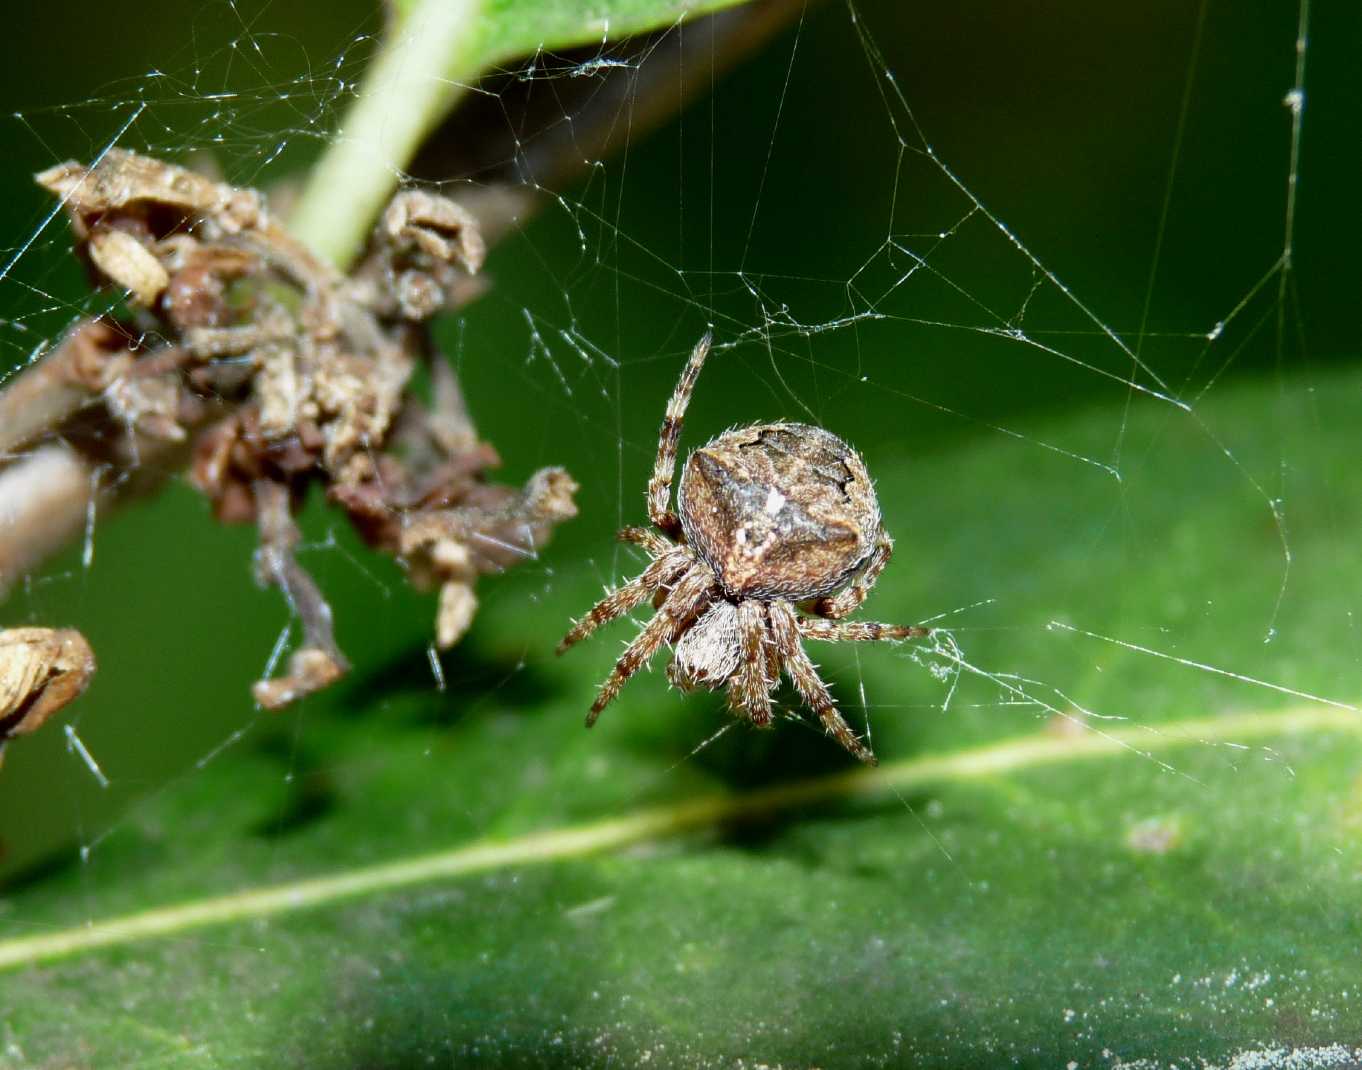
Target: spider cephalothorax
x,y
771,517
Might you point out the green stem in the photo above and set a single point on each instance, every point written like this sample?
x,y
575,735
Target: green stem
x,y
428,58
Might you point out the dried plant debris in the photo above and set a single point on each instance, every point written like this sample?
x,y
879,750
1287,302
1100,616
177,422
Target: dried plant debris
x,y
281,372
41,671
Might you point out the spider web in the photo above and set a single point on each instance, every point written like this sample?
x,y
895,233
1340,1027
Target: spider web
x,y
1071,259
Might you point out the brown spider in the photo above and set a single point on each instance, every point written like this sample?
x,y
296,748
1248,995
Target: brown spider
x,y
771,516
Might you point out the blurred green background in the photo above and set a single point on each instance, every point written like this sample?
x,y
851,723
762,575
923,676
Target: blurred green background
x,y
771,203
792,209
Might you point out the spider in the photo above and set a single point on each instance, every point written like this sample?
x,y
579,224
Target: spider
x,y
769,518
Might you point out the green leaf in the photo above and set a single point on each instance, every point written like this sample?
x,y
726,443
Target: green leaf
x,y
471,876
511,28
433,51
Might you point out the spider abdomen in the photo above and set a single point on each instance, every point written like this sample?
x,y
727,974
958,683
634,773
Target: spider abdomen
x,y
779,511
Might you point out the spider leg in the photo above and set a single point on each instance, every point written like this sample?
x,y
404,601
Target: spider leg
x,y
655,544
860,631
844,602
622,599
660,485
749,688
687,598
811,688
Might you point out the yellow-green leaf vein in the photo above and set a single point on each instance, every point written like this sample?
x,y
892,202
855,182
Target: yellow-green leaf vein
x,y
1016,754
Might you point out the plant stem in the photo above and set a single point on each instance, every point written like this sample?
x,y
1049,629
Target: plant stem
x,y
427,60
34,402
43,503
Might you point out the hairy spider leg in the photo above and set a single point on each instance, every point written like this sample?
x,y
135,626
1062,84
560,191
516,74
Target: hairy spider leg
x,y
749,688
811,688
847,600
858,631
664,468
686,600
655,544
622,599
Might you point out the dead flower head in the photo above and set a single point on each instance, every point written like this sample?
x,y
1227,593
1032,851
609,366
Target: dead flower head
x,y
285,373
41,671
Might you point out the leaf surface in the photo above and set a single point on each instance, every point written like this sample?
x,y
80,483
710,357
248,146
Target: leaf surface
x,y
416,876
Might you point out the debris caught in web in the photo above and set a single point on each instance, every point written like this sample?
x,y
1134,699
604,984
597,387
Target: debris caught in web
x,y
280,374
42,670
